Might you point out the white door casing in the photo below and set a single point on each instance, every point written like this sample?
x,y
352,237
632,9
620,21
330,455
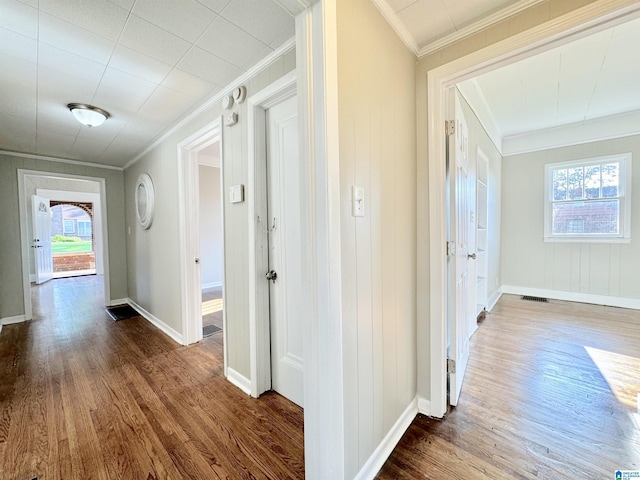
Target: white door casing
x,y
283,224
41,241
460,280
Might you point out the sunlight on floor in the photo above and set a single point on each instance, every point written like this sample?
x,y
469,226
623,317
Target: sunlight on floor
x,y
622,373
212,306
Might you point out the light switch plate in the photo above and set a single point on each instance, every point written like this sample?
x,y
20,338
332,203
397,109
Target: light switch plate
x,y
236,194
357,201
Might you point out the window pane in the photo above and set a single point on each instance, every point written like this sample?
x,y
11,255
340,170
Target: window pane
x,y
592,217
560,184
575,177
610,179
68,226
592,181
84,229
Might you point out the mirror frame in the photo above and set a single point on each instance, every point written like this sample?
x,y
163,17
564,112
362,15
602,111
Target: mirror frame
x,y
145,218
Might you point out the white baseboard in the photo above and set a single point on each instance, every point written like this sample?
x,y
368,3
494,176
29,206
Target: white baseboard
x,y
380,455
118,301
622,302
208,286
493,299
424,406
240,381
11,320
176,336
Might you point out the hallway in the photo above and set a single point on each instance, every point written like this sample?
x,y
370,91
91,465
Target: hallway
x,y
84,397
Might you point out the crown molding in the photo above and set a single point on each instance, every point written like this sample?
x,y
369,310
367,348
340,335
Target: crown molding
x,y
396,24
59,160
594,130
471,29
245,77
477,26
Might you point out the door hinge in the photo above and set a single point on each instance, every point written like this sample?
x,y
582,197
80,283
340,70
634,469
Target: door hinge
x,y
449,127
451,248
451,365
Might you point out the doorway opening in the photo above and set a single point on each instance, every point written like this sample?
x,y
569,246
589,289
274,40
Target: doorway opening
x,y
72,239
595,17
38,192
202,235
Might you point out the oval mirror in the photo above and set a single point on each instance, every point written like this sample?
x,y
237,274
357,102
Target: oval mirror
x,y
145,200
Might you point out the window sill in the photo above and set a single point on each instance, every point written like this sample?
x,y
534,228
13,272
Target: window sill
x,y
586,240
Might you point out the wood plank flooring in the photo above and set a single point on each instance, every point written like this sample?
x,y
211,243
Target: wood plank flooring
x,y
83,397
551,392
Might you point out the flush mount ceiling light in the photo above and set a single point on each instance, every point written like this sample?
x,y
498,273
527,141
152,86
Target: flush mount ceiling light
x,y
88,114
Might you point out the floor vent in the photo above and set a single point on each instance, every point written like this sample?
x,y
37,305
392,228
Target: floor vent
x,y
535,299
210,330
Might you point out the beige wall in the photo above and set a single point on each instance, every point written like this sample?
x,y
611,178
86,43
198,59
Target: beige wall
x,y
376,82
590,268
11,292
210,226
154,256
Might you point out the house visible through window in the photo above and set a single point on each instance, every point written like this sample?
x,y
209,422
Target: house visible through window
x,y
69,227
589,200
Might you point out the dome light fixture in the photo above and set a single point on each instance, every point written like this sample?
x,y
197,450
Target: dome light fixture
x,y
88,114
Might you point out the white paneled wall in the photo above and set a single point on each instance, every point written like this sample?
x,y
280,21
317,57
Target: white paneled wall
x,y
376,80
580,268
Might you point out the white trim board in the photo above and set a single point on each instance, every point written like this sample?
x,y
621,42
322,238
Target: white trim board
x,y
493,299
210,285
481,24
380,455
12,320
239,380
259,332
155,321
607,300
597,16
59,160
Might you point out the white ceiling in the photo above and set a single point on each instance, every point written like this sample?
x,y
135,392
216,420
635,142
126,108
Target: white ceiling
x,y
592,81
147,62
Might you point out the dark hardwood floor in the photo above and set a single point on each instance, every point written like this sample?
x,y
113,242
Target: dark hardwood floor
x,y
83,397
551,392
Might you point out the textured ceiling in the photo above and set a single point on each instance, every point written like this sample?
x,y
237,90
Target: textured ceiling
x,y
147,62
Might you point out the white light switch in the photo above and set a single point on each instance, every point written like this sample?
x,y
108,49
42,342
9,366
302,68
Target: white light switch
x,y
236,194
357,201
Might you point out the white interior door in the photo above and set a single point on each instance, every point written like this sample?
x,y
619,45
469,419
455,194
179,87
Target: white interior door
x,y
41,242
284,250
460,278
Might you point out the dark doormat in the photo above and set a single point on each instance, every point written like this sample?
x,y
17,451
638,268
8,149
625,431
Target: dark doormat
x,y
122,312
210,330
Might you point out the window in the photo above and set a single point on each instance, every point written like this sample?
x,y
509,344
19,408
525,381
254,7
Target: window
x,y
84,228
68,226
589,200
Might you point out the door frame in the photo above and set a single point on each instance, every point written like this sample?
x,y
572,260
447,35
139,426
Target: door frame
x,y
587,20
259,331
25,243
189,209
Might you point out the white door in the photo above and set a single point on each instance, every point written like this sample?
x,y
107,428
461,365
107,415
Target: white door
x,y
460,279
284,250
41,242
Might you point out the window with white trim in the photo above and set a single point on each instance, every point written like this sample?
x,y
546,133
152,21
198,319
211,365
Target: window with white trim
x,y
68,226
84,228
588,200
